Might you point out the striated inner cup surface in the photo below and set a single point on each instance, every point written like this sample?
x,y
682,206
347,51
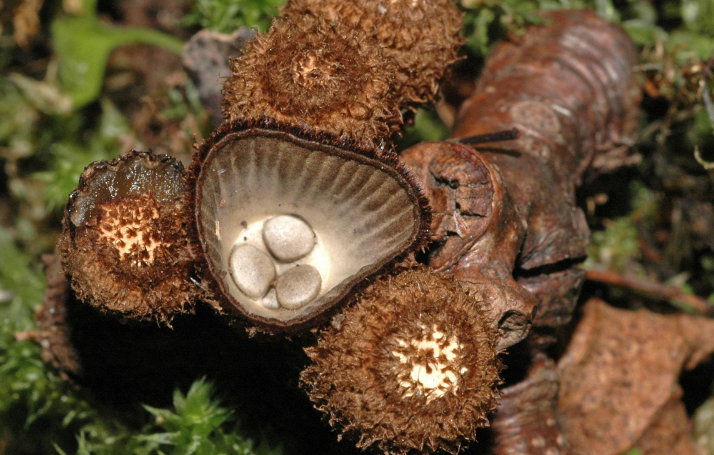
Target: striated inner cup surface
x,y
363,212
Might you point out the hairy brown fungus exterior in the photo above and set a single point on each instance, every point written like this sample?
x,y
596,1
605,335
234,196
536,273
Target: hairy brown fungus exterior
x,y
412,366
348,211
124,240
316,75
422,36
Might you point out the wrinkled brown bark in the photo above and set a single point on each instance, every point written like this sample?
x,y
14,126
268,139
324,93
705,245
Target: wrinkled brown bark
x,y
505,221
478,230
509,209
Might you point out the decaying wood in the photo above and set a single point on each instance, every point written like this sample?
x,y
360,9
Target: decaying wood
x,y
509,209
652,288
477,228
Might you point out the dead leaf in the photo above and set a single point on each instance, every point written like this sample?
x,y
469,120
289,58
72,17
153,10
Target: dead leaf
x,y
619,380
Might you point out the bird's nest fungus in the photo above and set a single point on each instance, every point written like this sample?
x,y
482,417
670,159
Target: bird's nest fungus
x,y
412,366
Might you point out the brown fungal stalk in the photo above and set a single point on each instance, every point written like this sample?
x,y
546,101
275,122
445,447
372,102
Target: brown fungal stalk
x,y
412,366
124,241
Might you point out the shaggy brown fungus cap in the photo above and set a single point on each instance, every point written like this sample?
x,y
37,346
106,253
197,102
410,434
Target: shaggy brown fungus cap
x,y
315,74
362,210
422,36
124,241
411,366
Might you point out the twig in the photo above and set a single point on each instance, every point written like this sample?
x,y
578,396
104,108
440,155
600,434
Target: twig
x,y
652,288
708,165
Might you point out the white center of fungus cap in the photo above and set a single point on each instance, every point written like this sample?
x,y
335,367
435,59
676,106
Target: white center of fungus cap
x,y
298,286
253,271
288,238
436,377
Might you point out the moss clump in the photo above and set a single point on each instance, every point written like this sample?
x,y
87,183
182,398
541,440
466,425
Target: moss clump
x,y
124,241
422,36
412,365
319,74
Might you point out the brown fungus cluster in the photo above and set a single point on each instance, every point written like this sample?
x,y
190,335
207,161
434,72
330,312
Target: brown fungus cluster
x,y
312,108
421,36
411,366
316,75
124,241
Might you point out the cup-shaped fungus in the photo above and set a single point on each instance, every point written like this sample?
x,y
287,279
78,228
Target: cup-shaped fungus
x,y
124,239
302,175
279,215
411,366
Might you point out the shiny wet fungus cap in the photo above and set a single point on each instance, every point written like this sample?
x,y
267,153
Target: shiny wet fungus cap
x,y
358,209
124,241
412,366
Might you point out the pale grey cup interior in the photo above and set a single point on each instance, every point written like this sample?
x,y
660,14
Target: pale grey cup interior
x,y
362,211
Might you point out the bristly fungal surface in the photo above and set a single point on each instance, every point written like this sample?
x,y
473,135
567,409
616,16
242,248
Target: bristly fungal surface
x,y
422,36
411,366
317,74
321,216
124,241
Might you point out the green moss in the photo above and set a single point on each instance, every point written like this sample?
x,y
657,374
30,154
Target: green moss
x,y
44,146
226,16
69,156
82,45
41,413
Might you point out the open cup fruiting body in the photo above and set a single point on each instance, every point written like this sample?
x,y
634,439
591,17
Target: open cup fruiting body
x,y
356,212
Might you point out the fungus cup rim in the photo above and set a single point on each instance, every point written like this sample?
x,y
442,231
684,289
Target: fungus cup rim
x,y
342,146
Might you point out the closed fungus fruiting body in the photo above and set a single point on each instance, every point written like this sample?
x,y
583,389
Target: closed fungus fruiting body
x,y
312,107
125,243
316,75
421,36
413,366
